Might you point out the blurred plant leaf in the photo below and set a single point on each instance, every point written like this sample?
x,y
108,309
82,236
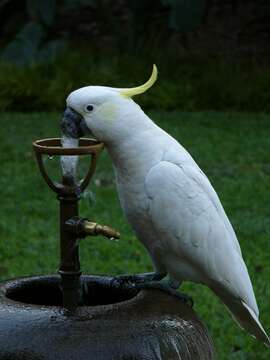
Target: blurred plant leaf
x,y
79,3
4,2
24,47
51,50
41,10
186,15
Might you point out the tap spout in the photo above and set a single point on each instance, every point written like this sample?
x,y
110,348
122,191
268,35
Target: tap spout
x,y
84,227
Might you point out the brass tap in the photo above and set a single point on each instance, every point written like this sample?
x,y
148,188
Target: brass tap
x,y
83,227
92,228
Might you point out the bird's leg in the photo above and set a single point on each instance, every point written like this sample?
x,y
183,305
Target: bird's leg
x,y
135,279
169,286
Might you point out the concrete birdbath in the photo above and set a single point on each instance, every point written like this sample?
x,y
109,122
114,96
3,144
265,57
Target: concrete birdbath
x,y
55,317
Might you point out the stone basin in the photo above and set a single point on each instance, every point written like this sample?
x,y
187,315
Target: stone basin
x,y
112,323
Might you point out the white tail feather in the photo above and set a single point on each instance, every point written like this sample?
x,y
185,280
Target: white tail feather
x,y
255,328
244,316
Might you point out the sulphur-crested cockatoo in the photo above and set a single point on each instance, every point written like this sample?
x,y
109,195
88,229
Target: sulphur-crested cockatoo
x,y
168,200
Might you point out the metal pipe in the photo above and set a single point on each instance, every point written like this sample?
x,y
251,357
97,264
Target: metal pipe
x,y
68,195
69,268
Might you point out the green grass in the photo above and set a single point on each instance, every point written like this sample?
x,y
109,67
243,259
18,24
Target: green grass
x,y
233,150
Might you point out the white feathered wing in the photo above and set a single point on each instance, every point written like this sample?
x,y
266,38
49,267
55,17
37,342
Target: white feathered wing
x,y
199,242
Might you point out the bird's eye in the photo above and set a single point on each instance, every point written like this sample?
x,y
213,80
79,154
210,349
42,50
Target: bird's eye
x,y
89,108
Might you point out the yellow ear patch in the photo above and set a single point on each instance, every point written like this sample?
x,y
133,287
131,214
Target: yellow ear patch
x,y
108,111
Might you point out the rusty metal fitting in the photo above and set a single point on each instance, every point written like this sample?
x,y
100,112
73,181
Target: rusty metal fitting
x,y
92,228
84,227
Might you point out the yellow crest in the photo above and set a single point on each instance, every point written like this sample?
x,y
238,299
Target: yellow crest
x,y
142,88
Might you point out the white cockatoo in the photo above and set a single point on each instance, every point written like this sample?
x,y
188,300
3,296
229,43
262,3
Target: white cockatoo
x,y
168,200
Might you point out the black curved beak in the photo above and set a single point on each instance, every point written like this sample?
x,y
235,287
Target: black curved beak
x,y
73,124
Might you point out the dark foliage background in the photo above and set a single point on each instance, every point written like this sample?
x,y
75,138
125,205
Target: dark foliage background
x,y
212,54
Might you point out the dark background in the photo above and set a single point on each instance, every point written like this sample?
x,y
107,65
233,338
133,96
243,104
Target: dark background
x,y
211,54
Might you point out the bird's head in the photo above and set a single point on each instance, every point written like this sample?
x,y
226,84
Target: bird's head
x,y
102,111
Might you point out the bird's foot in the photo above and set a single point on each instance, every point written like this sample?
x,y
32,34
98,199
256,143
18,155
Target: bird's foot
x,y
136,279
169,287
